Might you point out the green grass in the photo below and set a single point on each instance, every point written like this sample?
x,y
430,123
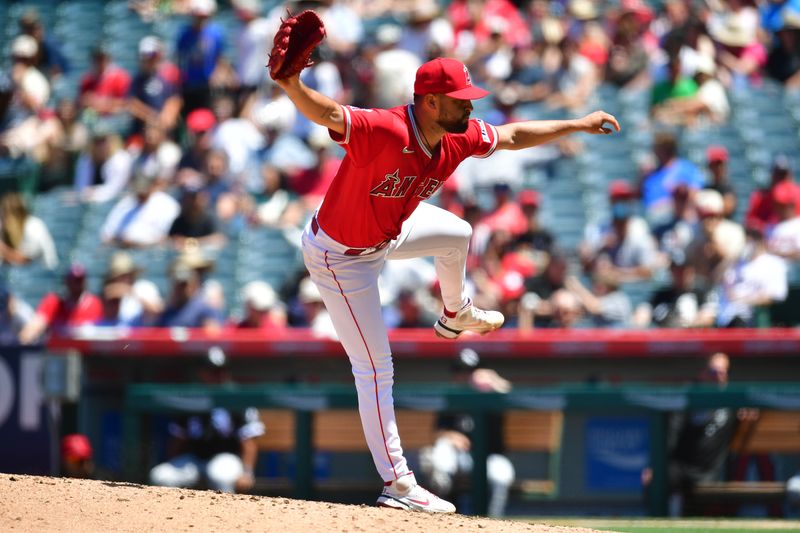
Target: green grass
x,y
688,525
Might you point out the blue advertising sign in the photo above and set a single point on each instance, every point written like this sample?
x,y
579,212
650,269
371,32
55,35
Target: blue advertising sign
x,y
617,449
24,435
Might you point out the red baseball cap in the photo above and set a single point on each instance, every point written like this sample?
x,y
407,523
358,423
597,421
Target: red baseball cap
x,y
528,197
620,189
784,193
449,77
201,120
76,447
716,153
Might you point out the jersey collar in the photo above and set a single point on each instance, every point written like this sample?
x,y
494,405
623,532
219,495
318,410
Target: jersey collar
x,y
420,142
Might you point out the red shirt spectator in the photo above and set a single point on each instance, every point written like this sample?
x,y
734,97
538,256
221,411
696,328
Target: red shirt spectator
x,y
262,309
465,17
761,212
77,307
105,87
507,214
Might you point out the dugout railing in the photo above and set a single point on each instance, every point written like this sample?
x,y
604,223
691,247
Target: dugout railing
x,y
654,401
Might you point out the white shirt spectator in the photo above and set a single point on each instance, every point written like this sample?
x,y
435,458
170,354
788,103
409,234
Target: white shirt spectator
x,y
131,307
239,139
785,238
34,85
395,71
141,224
37,243
418,40
713,95
115,172
253,40
765,275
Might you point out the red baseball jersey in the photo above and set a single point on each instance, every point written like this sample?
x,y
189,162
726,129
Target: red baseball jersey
x,y
388,171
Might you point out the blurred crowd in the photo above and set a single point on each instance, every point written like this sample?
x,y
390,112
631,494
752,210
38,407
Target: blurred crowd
x,y
197,143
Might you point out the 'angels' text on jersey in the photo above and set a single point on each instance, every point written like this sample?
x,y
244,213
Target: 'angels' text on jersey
x,y
394,187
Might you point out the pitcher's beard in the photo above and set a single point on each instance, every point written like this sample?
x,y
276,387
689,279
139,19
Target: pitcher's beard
x,y
454,126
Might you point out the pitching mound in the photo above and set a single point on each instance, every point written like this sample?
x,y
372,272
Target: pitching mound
x,y
43,504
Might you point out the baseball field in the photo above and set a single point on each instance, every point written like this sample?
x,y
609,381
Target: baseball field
x,y
44,504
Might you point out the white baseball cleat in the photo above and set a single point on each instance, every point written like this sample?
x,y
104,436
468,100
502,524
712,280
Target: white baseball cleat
x,y
405,493
469,318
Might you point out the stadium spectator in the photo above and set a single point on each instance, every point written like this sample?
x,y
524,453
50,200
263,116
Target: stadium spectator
x,y
56,312
194,257
276,204
784,239
237,137
783,61
604,305
428,33
628,59
15,313
154,96
666,93
447,463
624,248
200,125
506,214
677,305
217,447
195,221
199,55
395,68
540,289
104,168
718,244
717,161
758,279
761,212
655,187
740,52
142,217
111,297
707,107
32,88
575,78
50,59
24,238
315,315
155,151
535,235
681,228
70,140
186,306
104,89
263,311
253,38
141,302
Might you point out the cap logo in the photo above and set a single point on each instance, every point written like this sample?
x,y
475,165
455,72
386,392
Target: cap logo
x,y
467,76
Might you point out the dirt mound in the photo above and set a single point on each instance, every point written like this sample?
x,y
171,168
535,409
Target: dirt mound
x,y
43,504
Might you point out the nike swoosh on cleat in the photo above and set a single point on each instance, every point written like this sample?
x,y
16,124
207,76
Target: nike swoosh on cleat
x,y
418,502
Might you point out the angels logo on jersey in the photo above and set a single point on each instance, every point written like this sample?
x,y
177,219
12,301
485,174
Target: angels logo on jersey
x,y
394,187
467,76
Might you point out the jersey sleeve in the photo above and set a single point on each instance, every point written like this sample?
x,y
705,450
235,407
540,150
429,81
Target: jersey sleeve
x,y
481,139
364,134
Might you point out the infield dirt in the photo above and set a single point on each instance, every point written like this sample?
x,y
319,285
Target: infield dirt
x,y
45,504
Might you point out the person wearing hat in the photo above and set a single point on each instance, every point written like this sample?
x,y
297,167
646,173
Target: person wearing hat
x,y
317,318
624,248
50,60
199,55
32,87
681,228
535,235
104,89
140,299
717,163
154,96
718,243
187,306
262,309
195,222
373,211
447,463
761,212
784,239
70,308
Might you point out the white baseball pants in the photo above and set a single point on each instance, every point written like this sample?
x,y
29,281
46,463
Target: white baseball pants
x,y
349,288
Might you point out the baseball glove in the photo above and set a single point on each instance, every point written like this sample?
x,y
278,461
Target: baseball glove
x,y
295,40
